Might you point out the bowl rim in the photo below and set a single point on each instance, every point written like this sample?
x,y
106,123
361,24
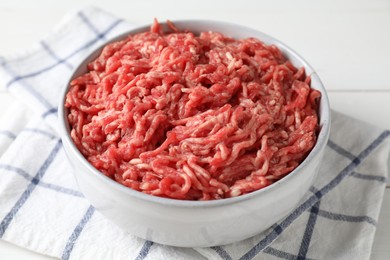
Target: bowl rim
x,y
322,138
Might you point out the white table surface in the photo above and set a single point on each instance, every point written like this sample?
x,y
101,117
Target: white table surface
x,y
347,42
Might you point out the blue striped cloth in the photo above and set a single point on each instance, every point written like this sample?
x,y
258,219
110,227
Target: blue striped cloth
x,y
42,209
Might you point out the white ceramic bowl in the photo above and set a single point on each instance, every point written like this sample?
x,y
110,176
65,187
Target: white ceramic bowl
x,y
198,223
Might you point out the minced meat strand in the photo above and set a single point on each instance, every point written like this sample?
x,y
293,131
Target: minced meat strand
x,y
193,117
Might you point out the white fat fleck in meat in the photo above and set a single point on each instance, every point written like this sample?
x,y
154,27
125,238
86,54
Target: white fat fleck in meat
x,y
192,49
235,192
229,55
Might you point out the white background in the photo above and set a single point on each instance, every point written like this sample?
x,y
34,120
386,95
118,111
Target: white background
x,y
347,42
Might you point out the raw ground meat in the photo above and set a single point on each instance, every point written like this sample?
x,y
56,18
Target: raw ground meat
x,y
193,117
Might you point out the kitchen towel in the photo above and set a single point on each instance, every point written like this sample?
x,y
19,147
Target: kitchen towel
x,y
41,208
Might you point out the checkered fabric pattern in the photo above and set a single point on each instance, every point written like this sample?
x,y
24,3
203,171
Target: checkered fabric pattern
x,y
42,209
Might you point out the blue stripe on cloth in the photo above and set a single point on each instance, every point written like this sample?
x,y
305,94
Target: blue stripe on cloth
x,y
341,150
314,198
369,177
222,252
30,188
313,189
61,189
76,233
307,235
281,254
52,54
316,192
83,47
28,177
85,19
28,87
17,170
8,134
50,112
144,250
346,218
40,131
